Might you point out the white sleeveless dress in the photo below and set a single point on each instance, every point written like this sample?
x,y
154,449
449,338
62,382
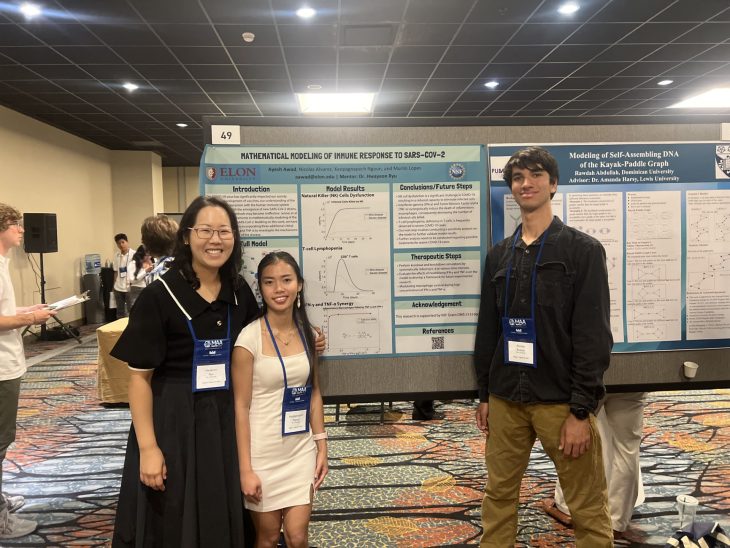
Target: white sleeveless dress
x,y
285,464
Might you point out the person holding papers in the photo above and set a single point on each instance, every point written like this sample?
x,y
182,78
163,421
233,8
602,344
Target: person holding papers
x,y
12,364
282,444
180,485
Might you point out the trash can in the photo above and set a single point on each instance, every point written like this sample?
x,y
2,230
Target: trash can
x,y
107,285
94,307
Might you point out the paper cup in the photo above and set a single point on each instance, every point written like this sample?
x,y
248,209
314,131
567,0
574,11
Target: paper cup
x,y
690,369
687,509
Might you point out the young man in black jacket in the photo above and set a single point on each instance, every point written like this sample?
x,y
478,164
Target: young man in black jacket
x,y
543,343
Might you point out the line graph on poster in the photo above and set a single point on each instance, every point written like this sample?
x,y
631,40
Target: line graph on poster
x,y
353,331
348,274
350,223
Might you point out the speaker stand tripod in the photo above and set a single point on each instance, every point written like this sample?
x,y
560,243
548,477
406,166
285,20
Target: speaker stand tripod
x,y
45,334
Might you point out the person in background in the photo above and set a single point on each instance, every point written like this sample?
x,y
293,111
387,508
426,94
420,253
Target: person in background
x,y
158,237
543,343
12,364
142,267
620,421
282,444
122,263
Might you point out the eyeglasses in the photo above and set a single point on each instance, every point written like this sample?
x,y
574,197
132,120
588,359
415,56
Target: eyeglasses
x,y
19,224
205,233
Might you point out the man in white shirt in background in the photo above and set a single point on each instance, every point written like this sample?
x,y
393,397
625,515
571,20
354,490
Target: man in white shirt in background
x,y
123,266
12,363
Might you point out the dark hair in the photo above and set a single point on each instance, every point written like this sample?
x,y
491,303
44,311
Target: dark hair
x,y
183,257
299,313
138,256
532,158
158,235
120,236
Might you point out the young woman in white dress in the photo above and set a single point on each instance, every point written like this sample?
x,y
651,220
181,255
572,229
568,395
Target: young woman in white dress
x,y
282,444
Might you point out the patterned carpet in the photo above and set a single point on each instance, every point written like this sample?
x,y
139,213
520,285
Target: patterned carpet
x,y
398,484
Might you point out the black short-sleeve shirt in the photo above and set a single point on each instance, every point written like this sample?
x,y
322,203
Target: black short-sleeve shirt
x,y
157,336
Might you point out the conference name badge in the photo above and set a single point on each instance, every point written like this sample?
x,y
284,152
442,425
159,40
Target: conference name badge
x,y
519,341
295,410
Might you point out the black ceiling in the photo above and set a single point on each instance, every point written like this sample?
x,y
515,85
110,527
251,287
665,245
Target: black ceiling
x,y
424,58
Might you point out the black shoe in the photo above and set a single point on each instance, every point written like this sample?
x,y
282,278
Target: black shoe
x,y
423,411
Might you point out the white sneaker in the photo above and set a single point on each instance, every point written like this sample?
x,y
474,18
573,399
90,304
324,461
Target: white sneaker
x,y
14,502
14,527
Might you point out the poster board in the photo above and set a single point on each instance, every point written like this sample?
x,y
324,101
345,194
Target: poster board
x,y
391,240
407,377
662,212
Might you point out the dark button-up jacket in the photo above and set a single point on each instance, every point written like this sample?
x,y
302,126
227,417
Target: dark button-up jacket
x,y
572,320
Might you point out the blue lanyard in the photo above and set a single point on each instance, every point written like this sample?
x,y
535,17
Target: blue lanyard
x,y
276,347
533,284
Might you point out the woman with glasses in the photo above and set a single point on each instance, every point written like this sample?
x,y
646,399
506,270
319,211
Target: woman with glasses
x,y
180,485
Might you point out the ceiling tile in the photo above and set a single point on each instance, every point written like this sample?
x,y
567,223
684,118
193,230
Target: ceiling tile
x,y
188,55
308,35
372,11
417,54
125,34
181,34
362,70
532,34
425,34
437,11
255,55
371,54
692,10
213,72
485,34
310,55
453,70
470,54
522,54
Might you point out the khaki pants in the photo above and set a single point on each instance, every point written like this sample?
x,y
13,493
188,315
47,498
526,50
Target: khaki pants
x,y
513,428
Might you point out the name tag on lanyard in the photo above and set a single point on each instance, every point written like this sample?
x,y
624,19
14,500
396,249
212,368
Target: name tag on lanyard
x,y
520,334
211,357
297,399
211,364
519,341
295,410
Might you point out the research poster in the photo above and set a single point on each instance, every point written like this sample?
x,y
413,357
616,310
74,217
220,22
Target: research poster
x,y
662,212
391,240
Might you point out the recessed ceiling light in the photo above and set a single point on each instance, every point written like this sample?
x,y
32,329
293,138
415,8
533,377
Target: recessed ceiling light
x,y
305,13
30,10
248,37
665,82
129,86
568,8
332,103
314,86
181,125
491,84
714,98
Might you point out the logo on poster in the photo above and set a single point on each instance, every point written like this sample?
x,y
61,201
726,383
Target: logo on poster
x,y
722,162
210,173
457,171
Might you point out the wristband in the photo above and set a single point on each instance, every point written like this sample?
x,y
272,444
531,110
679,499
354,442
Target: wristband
x,y
322,436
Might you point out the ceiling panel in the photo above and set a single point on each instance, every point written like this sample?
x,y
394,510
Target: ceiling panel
x,y
422,58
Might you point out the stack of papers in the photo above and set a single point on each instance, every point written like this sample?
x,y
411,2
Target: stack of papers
x,y
69,301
